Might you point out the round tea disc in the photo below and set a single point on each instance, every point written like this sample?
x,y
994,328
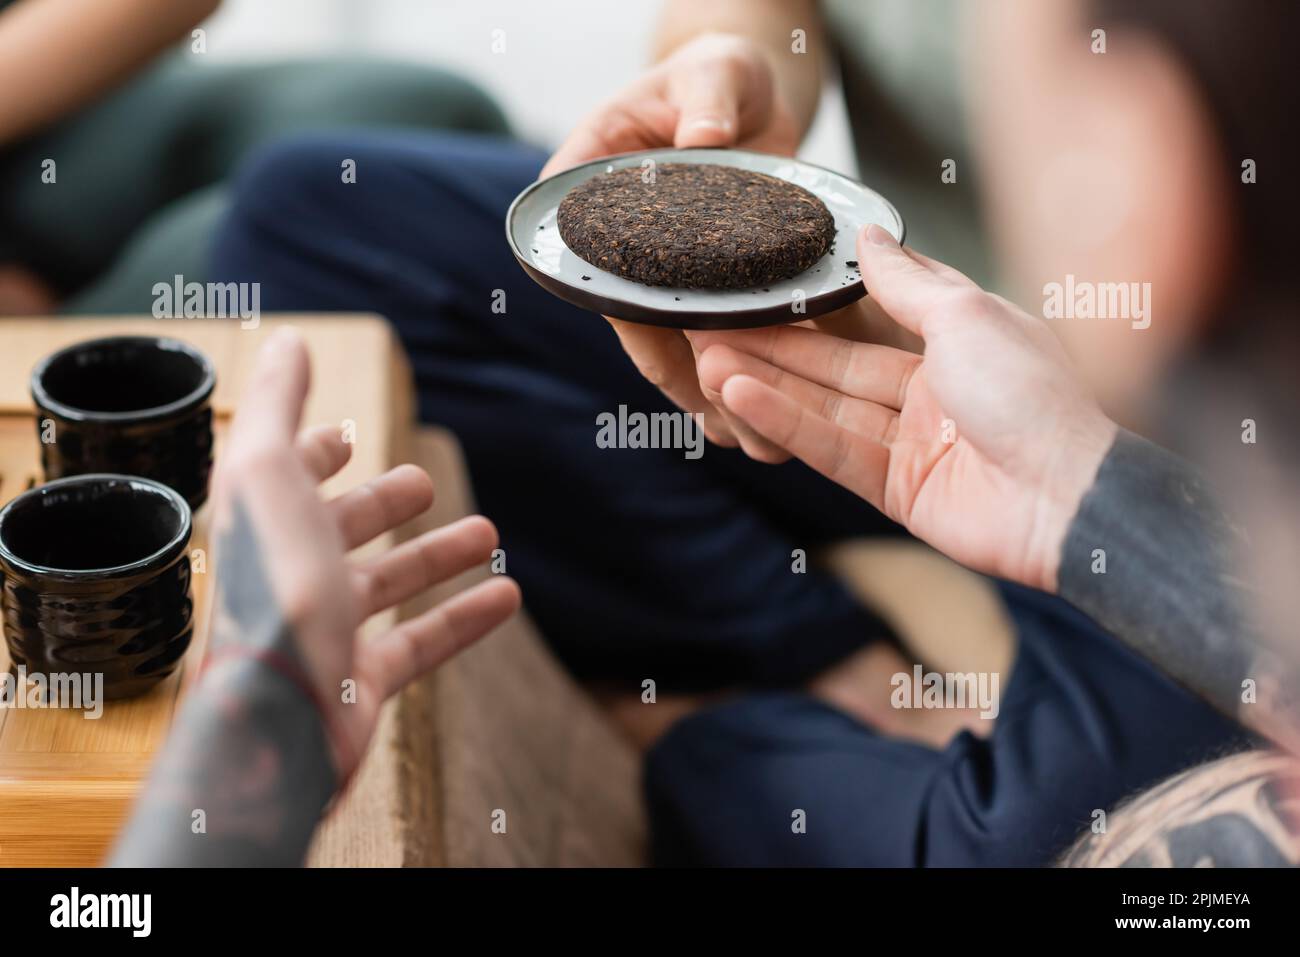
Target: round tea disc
x,y
695,226
826,282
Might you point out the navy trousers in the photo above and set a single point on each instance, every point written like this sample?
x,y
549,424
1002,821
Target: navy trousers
x,y
646,564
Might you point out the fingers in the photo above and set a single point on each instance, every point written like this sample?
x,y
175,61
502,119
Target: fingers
x,y
323,451
856,463
262,435
723,90
867,419
273,399
713,91
642,121
866,321
863,370
418,646
665,358
751,443
942,269
432,558
584,143
906,288
709,105
382,504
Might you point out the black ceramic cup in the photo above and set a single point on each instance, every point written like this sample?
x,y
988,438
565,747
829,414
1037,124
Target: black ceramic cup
x,y
129,405
95,577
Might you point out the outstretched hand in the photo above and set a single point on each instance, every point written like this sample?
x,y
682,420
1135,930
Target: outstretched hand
x,y
289,588
288,696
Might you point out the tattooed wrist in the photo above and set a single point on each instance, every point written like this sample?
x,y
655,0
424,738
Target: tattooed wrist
x,y
1151,555
248,767
243,780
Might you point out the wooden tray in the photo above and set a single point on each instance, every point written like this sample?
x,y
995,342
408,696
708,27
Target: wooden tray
x,y
66,783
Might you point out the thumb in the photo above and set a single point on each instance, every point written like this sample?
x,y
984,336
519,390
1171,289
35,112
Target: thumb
x,y
709,113
906,289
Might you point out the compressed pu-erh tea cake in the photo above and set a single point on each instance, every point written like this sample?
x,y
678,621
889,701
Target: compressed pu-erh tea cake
x,y
695,226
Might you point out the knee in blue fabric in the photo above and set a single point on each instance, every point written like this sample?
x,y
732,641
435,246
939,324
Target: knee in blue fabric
x,y
785,780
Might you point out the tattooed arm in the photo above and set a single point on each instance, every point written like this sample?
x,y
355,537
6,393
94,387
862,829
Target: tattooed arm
x,y
247,770
1152,557
288,698
1242,811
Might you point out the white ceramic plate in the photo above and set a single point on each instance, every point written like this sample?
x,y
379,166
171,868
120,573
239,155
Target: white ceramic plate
x,y
827,285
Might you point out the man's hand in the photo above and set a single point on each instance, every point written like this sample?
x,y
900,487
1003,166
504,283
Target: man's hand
x,y
982,447
716,90
313,600
288,695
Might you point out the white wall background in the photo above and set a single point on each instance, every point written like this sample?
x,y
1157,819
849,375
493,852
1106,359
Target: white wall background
x,y
562,57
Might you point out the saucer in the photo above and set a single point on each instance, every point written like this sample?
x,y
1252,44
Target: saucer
x,y
829,284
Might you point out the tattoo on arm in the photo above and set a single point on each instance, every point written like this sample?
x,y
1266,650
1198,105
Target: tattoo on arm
x,y
1153,558
1241,811
247,770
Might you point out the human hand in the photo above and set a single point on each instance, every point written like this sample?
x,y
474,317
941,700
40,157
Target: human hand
x,y
983,447
288,594
288,697
717,90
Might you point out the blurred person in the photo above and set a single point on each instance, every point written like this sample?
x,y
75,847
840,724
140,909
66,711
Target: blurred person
x,y
640,563
1000,500
1089,182
143,136
266,737
1199,589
